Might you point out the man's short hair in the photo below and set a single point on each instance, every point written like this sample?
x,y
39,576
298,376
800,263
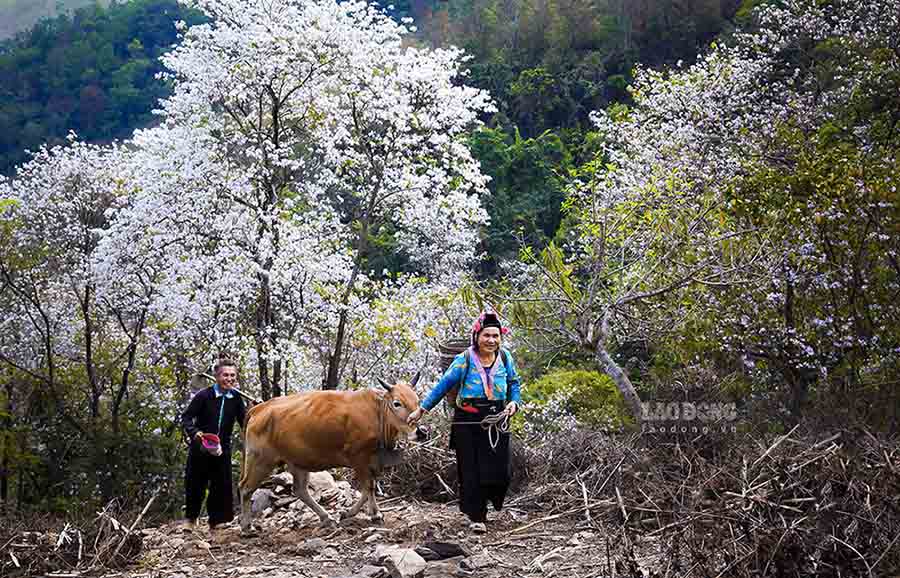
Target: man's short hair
x,y
224,362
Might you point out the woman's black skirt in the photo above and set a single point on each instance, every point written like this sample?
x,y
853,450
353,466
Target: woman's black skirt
x,y
484,472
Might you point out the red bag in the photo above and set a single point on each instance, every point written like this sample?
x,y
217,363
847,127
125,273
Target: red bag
x,y
211,444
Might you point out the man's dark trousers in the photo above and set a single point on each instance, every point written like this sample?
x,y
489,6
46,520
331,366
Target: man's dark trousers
x,y
213,472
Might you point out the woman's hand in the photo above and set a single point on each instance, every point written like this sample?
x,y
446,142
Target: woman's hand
x,y
415,416
511,408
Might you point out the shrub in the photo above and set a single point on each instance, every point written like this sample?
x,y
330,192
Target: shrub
x,y
590,397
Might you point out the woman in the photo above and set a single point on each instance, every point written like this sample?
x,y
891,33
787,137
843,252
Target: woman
x,y
488,388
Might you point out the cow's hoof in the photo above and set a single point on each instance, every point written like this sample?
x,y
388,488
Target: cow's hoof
x,y
249,533
377,518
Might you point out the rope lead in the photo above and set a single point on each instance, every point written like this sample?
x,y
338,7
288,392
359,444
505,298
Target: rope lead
x,y
498,424
494,424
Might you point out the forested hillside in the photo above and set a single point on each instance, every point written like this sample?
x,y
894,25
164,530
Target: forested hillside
x,y
92,72
547,64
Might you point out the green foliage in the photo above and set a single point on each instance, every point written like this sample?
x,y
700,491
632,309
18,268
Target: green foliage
x,y
548,63
92,72
591,397
62,454
528,180
744,14
78,470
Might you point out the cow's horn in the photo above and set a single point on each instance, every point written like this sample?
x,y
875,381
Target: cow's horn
x,y
385,384
415,378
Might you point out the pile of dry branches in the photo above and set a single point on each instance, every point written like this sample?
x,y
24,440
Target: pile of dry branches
x,y
728,504
68,549
799,504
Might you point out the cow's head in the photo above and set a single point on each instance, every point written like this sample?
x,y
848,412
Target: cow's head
x,y
401,400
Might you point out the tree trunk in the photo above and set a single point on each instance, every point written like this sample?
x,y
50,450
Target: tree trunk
x,y
264,385
262,327
276,379
801,382
620,378
334,362
6,443
89,353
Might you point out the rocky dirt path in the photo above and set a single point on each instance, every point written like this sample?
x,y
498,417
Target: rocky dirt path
x,y
414,540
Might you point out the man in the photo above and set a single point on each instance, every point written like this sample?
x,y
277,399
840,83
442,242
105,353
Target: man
x,y
213,410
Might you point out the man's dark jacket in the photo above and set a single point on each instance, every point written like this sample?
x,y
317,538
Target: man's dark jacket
x,y
216,415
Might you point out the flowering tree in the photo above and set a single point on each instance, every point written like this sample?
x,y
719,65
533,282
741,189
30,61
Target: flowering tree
x,y
59,321
303,148
302,140
665,222
823,190
74,355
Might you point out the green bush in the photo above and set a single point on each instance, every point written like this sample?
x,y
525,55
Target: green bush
x,y
590,397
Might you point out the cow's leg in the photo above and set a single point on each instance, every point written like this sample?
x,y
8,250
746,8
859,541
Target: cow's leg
x,y
297,473
255,468
374,514
367,495
301,489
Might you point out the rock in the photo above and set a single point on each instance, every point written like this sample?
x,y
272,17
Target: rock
x,y
283,479
311,546
320,482
428,554
432,551
374,538
382,551
286,501
368,571
176,543
477,562
404,563
261,500
443,568
330,553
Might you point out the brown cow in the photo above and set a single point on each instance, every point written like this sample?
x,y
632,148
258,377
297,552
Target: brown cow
x,y
319,430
